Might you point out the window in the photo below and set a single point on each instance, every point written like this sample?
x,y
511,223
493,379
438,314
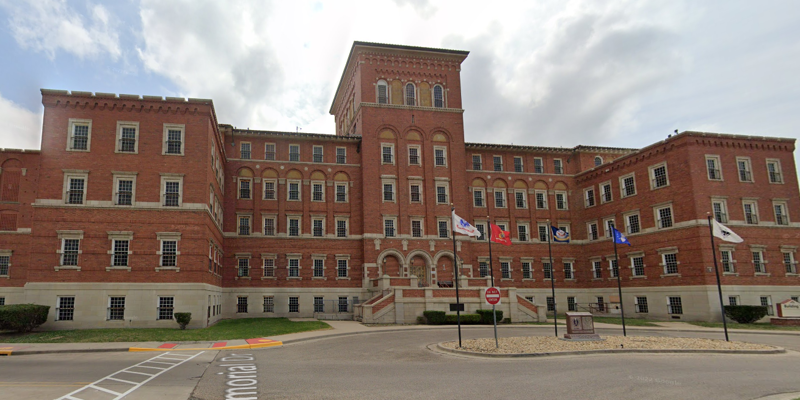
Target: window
x,y
166,305
411,99
416,228
387,151
268,265
269,189
477,163
294,267
389,227
505,269
5,262
627,185
613,266
766,301
383,92
66,308
597,269
173,139
294,152
438,97
591,231
498,163
527,272
317,154
243,267
588,198
244,225
720,210
499,198
632,224
561,200
413,156
605,192
541,199
726,258
477,197
127,137
69,252
774,171
269,151
483,269
481,226
664,217
789,262
79,135
598,161
608,225
781,217
317,227
244,150
571,304
658,176
544,232
319,304
169,251
712,166
241,304
641,304
116,308
568,272
444,229
551,304
670,262
441,194
341,155
758,261
743,165
750,212
319,267
245,185
521,199
123,193
440,156
269,304
318,191
76,189
293,194
538,166
547,268
416,193
341,268
558,167
121,252
522,232
171,190
341,192
269,226
294,304
637,264
341,228
388,192
293,224
733,300
518,164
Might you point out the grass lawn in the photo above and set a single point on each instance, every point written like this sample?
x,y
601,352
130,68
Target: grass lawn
x,y
760,326
628,321
246,328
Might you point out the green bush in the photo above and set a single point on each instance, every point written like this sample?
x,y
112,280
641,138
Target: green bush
x,y
745,314
434,317
183,318
466,319
487,318
22,317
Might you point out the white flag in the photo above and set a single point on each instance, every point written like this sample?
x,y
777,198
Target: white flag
x,y
464,227
724,233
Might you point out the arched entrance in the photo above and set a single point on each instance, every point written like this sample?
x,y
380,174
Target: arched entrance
x,y
419,265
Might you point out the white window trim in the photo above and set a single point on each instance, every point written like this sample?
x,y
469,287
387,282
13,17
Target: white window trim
x,y
586,197
560,161
239,187
71,131
777,163
263,188
754,205
652,170
78,174
346,194
606,229
314,153
524,198
589,230
394,190
502,164
446,186
433,96
7,253
394,157
610,192
421,196
472,162
113,237
239,217
167,128
566,199
541,163
718,164
336,161
169,177
394,226
785,206
336,221
274,153
622,193
324,227
123,176
749,169
521,164
126,124
382,82
502,193
264,258
299,183
663,252
419,154
311,187
405,94
299,225
483,192
314,258
421,227
241,150
62,236
449,228
168,236
289,153
544,196
723,202
346,258
274,218
527,227
444,150
656,215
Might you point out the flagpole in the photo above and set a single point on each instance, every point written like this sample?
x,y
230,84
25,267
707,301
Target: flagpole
x,y
552,277
719,285
619,281
455,275
491,273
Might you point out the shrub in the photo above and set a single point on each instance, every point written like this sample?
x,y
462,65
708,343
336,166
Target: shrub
x,y
183,318
466,319
745,314
487,318
434,317
22,317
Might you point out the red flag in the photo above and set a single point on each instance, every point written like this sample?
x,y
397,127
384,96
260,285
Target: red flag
x,y
500,236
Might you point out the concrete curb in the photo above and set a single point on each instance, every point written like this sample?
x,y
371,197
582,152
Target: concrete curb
x,y
777,350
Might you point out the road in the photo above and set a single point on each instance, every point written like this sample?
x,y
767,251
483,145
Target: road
x,y
399,365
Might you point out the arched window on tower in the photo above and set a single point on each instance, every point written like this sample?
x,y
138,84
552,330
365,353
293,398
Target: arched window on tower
x,y
383,92
411,98
438,96
598,161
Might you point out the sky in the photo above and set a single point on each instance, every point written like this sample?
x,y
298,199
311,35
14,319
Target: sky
x,y
622,73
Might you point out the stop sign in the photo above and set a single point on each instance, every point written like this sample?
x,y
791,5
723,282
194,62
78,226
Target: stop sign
x,y
492,296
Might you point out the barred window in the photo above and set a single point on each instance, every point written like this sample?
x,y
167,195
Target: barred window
x,y
66,308
641,305
571,304
269,304
675,305
116,308
551,304
166,306
294,304
319,304
241,304
483,269
343,304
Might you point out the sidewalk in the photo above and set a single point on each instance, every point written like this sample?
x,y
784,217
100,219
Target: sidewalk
x,y
338,328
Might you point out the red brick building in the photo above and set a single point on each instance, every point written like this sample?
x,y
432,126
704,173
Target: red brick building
x,y
140,206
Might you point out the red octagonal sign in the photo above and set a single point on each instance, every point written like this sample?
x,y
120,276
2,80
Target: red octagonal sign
x,y
492,296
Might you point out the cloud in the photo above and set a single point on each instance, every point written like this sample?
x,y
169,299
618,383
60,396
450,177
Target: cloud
x,y
48,26
21,127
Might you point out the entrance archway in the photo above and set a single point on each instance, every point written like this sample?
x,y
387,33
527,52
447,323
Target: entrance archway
x,y
419,264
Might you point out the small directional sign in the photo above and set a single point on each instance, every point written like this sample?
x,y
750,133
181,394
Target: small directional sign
x,y
492,296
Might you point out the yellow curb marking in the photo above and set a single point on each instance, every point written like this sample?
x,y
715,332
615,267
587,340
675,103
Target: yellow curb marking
x,y
237,347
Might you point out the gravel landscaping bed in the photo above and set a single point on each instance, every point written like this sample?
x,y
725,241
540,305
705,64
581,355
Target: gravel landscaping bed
x,y
549,344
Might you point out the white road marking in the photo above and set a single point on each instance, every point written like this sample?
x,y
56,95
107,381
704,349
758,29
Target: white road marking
x,y
93,385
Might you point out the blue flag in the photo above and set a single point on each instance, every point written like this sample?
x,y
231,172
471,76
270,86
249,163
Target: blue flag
x,y
620,238
560,235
